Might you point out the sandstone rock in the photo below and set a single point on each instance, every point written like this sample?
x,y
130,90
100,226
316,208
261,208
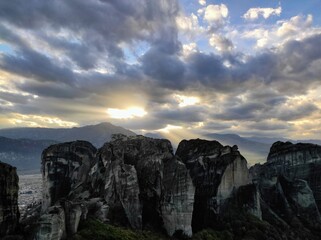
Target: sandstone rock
x,y
64,166
294,161
178,201
140,178
216,171
248,198
52,224
118,185
9,212
290,185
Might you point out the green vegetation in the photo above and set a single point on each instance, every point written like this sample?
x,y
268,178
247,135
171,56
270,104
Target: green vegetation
x,y
96,230
209,234
236,225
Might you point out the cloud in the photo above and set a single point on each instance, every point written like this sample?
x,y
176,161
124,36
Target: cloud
x,y
202,2
84,57
255,13
216,14
296,28
221,43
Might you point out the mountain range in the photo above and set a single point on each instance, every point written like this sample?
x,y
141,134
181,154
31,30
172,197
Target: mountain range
x,y
22,147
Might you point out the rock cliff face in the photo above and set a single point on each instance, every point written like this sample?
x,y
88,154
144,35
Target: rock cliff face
x,y
294,161
9,212
216,172
289,184
65,169
141,178
64,166
132,181
138,182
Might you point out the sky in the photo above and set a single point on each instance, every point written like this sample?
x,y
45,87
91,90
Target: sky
x,y
178,68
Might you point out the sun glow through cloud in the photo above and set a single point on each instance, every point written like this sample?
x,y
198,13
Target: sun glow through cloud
x,y
126,113
184,101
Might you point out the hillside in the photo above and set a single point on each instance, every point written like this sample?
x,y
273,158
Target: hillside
x,y
25,154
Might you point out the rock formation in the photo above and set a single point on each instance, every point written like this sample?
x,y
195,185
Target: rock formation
x,y
216,172
141,178
138,182
64,166
9,212
294,161
289,184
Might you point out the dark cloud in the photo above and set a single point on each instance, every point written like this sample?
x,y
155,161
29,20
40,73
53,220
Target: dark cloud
x,y
268,126
54,90
167,69
34,65
182,115
247,111
15,97
296,112
84,53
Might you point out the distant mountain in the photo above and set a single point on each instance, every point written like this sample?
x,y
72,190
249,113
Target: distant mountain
x,y
96,134
270,140
22,147
267,140
253,151
23,153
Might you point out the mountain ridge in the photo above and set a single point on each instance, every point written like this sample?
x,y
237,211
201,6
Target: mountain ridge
x,y
22,147
97,134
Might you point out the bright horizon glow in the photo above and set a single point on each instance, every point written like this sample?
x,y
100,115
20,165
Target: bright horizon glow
x,y
126,113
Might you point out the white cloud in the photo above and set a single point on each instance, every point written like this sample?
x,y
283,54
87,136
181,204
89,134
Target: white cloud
x,y
295,25
202,2
255,13
189,48
216,13
221,43
18,119
298,28
189,24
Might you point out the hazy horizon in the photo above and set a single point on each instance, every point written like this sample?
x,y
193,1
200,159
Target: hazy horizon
x,y
181,68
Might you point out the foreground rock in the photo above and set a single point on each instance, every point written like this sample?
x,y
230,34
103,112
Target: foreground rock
x,y
290,184
138,182
144,184
9,211
65,169
216,172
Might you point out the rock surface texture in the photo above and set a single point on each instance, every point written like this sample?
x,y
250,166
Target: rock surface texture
x,y
9,212
138,182
140,178
289,184
216,172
